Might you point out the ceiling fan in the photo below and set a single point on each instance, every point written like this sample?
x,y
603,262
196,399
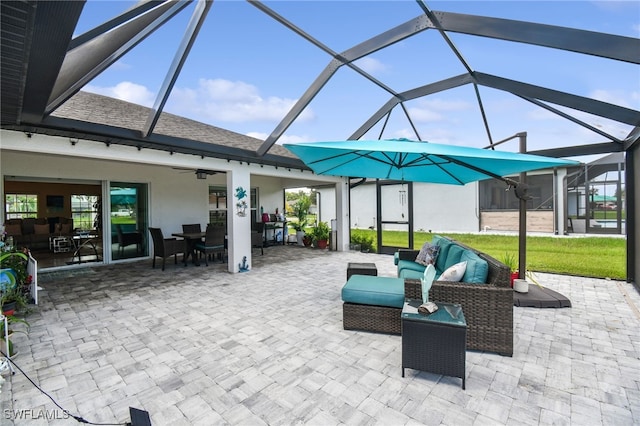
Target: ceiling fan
x,y
200,173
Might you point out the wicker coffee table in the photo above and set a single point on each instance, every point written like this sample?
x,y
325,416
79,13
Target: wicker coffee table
x,y
436,343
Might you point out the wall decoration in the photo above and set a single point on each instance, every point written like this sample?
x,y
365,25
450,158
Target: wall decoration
x,y
241,204
244,266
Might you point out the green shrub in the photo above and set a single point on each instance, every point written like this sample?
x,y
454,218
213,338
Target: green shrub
x,y
363,239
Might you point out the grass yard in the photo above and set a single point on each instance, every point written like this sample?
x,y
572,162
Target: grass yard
x,y
600,257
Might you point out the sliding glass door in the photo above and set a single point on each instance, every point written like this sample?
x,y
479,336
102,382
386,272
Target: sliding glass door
x,y
128,220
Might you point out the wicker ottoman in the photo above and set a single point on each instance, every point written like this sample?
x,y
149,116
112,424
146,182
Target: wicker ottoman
x,y
373,303
361,269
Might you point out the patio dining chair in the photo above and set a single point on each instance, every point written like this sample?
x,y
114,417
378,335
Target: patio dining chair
x,y
191,228
213,242
257,237
165,247
126,239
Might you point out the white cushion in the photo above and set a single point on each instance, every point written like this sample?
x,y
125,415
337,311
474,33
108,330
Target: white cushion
x,y
454,272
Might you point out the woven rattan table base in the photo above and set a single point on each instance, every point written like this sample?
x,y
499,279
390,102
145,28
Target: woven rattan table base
x,y
436,348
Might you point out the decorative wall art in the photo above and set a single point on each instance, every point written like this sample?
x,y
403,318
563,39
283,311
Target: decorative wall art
x,y
241,203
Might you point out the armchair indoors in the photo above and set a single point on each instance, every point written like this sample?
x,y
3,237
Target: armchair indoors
x,y
165,247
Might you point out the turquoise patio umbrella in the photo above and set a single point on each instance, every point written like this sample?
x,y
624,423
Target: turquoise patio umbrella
x,y
405,160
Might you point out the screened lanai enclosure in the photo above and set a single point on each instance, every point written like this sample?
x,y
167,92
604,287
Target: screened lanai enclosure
x,y
378,69
596,196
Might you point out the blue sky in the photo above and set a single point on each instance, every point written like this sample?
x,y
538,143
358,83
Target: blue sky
x,y
246,71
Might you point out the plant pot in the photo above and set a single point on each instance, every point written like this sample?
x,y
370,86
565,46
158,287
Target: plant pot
x,y
307,241
8,308
514,276
322,244
3,347
300,238
521,286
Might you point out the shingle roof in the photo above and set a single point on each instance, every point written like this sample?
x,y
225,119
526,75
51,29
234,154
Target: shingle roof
x,y
99,109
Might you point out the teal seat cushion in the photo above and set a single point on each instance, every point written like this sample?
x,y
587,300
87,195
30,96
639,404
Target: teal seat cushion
x,y
477,268
410,265
372,290
396,258
408,273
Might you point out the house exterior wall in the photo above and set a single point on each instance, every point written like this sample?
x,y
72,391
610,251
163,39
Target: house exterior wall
x,y
176,196
439,208
270,195
327,208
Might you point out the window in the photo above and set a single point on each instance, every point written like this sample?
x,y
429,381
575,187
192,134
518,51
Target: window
x,y
84,211
494,196
218,205
20,206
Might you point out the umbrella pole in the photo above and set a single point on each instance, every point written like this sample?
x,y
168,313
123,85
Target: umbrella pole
x,y
522,246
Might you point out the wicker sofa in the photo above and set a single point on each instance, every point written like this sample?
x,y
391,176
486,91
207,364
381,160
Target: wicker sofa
x,y
488,307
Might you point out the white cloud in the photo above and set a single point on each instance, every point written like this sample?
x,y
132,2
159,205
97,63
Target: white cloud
x,y
213,101
220,100
258,135
125,91
616,97
283,139
371,65
434,110
404,134
425,115
542,114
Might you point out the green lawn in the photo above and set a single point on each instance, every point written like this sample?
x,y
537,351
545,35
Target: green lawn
x,y
599,257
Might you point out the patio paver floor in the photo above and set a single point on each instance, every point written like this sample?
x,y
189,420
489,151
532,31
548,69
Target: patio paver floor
x,y
199,346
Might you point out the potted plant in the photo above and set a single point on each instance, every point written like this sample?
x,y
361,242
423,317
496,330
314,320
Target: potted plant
x,y
4,344
301,211
511,261
13,299
14,281
321,235
307,240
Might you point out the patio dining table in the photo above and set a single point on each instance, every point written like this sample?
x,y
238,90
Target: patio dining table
x,y
190,241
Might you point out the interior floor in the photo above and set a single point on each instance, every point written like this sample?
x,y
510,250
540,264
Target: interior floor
x,y
48,259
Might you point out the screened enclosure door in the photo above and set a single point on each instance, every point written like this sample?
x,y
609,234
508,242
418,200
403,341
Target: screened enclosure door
x,y
395,216
128,220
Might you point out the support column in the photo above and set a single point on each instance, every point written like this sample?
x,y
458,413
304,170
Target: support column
x,y
560,204
238,225
342,215
632,160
